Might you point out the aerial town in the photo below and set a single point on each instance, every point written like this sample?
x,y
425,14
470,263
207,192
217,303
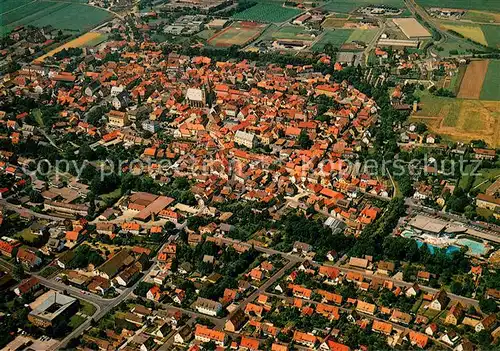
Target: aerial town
x,y
249,175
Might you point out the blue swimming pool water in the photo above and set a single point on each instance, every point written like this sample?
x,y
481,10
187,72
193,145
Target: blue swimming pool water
x,y
449,250
476,248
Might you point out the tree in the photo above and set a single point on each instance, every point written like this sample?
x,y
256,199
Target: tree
x,y
304,141
143,288
488,306
483,338
18,272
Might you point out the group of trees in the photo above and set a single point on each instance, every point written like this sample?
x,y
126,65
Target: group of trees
x,y
85,255
370,241
297,227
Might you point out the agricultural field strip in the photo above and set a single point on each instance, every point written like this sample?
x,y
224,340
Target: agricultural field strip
x,y
47,11
491,84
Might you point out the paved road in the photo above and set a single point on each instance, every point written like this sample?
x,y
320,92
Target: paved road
x,y
25,212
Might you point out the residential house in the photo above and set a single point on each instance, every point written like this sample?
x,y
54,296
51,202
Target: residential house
x,y
154,294
248,343
487,323
382,327
365,307
208,307
27,285
400,317
384,267
183,336
235,321
455,314
413,290
205,334
418,339
28,258
305,339
439,301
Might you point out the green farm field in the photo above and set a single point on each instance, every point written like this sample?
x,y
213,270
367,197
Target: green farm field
x,y
481,16
267,12
61,15
485,34
491,84
335,37
346,6
9,5
463,4
492,34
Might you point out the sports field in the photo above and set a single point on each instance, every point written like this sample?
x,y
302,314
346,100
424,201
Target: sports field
x,y
268,12
460,119
346,6
238,33
292,33
335,37
491,84
61,15
362,35
334,22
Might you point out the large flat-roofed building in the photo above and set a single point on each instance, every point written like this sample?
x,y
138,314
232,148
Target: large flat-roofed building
x,y
52,308
398,43
412,28
428,224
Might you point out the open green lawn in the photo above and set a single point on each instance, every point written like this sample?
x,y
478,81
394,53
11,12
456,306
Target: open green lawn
x,y
463,4
491,84
484,212
61,15
75,321
487,177
335,37
267,12
49,271
27,235
346,6
87,308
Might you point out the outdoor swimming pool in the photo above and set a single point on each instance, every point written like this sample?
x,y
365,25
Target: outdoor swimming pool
x,y
449,250
475,248
407,233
